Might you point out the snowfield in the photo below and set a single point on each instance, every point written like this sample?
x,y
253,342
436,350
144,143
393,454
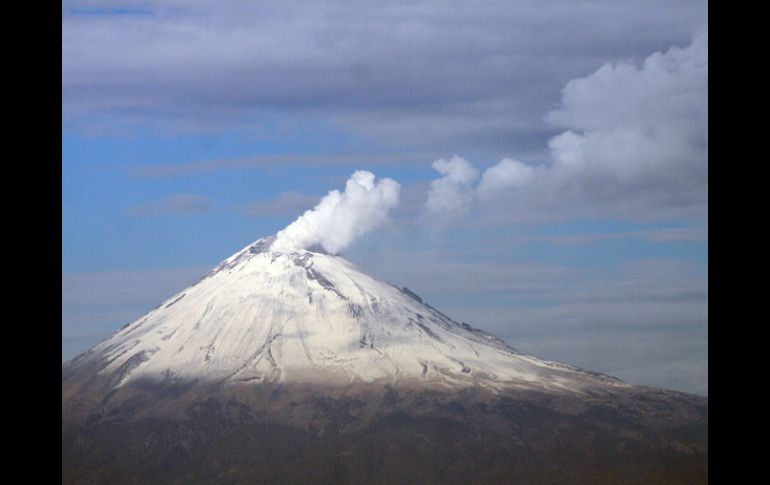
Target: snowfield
x,y
309,317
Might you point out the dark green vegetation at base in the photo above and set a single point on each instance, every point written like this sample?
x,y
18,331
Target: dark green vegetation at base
x,y
387,436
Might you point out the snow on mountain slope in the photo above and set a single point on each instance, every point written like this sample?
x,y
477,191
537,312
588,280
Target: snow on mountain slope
x,y
310,317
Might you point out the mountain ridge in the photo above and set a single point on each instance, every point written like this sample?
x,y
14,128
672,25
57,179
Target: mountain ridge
x,y
305,315
299,368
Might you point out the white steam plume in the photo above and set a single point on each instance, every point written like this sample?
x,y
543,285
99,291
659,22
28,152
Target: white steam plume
x,y
453,192
341,217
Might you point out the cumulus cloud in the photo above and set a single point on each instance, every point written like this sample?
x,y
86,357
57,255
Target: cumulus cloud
x,y
507,174
342,217
453,192
636,136
633,129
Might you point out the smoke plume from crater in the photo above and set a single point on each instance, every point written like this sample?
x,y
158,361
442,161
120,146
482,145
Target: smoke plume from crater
x,y
342,217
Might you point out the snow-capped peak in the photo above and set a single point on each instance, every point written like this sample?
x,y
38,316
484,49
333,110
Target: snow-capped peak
x,y
309,317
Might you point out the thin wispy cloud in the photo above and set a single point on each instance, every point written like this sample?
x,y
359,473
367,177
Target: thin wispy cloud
x,y
284,204
664,235
161,170
177,204
616,318
97,303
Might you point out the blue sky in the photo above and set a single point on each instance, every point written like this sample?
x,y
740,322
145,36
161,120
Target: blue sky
x,y
102,186
189,131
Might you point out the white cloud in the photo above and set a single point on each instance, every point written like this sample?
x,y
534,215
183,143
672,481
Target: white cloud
x,y
637,129
507,174
636,141
452,194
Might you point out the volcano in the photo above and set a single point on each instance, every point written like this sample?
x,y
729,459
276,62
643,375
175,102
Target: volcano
x,y
298,367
